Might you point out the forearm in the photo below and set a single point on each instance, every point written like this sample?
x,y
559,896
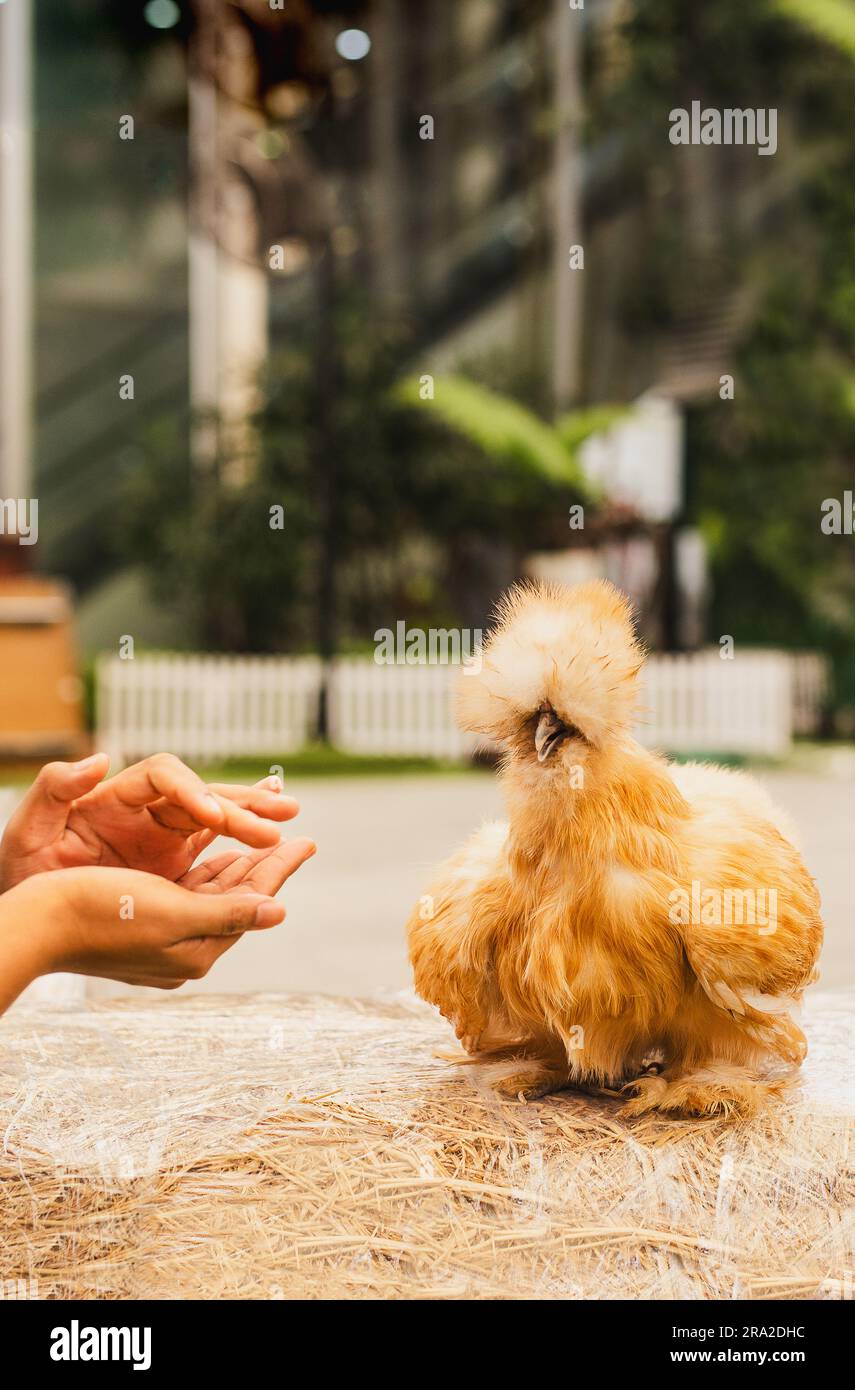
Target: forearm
x,y
23,953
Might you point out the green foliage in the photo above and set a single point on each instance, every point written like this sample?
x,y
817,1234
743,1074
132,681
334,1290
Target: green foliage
x,y
577,426
427,503
833,20
760,478
254,587
507,431
324,760
778,233
211,542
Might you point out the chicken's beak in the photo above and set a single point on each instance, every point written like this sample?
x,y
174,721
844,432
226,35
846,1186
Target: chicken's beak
x,y
548,735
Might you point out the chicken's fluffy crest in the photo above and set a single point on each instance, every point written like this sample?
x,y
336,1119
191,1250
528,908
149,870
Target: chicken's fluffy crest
x,y
573,647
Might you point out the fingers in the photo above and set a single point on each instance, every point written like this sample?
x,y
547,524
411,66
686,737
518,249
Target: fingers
x,y
228,871
259,871
246,826
243,813
66,781
238,817
204,874
178,799
234,823
265,799
43,812
208,914
164,778
269,871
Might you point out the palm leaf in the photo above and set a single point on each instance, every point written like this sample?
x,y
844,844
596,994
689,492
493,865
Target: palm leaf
x,y
504,429
575,428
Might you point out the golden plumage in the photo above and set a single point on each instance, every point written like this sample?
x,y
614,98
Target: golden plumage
x,y
628,908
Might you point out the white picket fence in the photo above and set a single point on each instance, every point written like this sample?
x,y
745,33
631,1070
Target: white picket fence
x,y
702,704
811,688
404,710
206,708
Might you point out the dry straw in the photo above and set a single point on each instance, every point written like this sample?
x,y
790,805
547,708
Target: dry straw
x,y
291,1147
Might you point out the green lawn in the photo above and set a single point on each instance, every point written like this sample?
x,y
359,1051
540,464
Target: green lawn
x,y
320,760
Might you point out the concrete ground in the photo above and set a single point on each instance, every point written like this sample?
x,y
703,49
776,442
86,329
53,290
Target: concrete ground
x,y
379,839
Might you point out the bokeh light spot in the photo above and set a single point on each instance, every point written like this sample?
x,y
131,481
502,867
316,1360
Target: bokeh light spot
x,y
353,44
162,14
270,144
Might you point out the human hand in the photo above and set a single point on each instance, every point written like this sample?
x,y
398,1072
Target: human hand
x,y
259,871
125,925
156,816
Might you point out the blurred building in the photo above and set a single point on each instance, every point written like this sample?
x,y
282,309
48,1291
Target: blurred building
x,y
40,693
436,161
430,157
16,228
411,145
110,261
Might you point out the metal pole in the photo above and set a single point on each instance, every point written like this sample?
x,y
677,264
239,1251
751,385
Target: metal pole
x,y
388,178
16,236
204,279
228,288
569,298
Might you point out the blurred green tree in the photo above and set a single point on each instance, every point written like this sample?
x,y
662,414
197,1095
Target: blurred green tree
x,y
775,237
359,502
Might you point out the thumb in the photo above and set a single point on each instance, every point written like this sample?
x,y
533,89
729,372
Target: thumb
x,y
44,810
229,914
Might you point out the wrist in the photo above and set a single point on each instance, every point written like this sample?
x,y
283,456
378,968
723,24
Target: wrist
x,y
30,924
25,952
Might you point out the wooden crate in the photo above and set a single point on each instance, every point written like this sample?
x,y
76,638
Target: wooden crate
x,y
41,704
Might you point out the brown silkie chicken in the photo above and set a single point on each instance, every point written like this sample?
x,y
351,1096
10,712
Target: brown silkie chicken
x,y
629,910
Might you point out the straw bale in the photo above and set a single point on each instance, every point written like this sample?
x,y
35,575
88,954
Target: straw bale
x,y
277,1146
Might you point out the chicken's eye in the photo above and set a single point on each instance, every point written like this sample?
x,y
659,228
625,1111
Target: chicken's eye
x,y
551,731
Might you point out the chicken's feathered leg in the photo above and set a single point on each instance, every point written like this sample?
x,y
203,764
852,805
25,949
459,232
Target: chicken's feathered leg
x,y
719,1089
537,1080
